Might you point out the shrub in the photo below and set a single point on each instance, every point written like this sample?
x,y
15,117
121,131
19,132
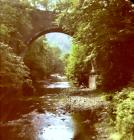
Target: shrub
x,y
125,115
13,71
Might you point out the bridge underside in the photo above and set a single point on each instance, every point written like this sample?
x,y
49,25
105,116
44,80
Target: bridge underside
x,y
42,22
43,32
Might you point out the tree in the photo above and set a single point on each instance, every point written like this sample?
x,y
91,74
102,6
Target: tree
x,y
77,70
106,28
57,62
12,21
43,60
13,72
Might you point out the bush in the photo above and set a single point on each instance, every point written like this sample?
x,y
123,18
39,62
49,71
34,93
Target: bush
x,y
125,115
13,71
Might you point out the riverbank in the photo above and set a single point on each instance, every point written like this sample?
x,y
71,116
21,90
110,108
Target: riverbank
x,y
83,110
85,100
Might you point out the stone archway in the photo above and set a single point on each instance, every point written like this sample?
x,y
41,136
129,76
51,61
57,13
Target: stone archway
x,y
43,22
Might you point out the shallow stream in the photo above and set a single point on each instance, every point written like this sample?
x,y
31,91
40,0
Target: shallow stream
x,y
40,118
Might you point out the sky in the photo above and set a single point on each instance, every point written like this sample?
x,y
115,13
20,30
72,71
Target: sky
x,y
50,2
63,41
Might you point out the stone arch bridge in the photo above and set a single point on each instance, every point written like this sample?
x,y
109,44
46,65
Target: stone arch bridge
x,y
42,22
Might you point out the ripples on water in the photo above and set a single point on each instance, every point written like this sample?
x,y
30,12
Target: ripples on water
x,y
43,125
46,121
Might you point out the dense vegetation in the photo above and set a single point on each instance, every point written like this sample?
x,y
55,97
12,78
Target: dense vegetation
x,y
103,33
14,74
77,70
103,37
40,59
105,28
123,115
43,60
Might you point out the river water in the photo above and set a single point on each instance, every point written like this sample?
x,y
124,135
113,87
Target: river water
x,y
40,118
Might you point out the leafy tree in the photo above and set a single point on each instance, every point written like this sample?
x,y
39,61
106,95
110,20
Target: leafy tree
x,y
43,60
106,28
76,69
124,109
57,62
65,58
13,72
12,21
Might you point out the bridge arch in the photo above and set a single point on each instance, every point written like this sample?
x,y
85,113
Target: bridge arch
x,y
46,31
42,22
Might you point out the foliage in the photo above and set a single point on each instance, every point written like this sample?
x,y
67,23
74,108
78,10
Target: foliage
x,y
13,72
64,59
76,69
12,23
57,61
106,28
43,60
124,101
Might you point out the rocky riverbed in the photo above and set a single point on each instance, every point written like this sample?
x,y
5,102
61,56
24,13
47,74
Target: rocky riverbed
x,y
67,114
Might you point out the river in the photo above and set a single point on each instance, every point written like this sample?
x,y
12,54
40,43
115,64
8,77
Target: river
x,y
40,118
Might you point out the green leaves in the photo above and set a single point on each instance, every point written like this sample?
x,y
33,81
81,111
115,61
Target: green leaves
x,y
105,28
43,60
13,18
125,116
13,72
77,70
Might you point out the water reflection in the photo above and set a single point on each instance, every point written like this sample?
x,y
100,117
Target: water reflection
x,y
58,127
34,126
40,118
59,85
83,122
54,125
59,77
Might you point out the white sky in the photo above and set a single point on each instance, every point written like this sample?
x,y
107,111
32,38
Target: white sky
x,y
63,41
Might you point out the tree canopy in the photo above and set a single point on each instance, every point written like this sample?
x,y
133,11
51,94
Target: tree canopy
x,y
106,29
43,60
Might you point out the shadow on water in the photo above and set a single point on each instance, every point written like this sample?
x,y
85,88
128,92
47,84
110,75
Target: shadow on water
x,y
84,125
